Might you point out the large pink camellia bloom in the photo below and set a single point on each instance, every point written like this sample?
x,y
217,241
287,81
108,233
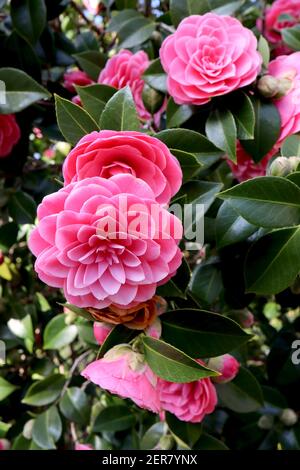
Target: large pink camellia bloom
x,y
126,68
281,14
207,56
124,372
9,133
105,241
107,153
246,168
188,401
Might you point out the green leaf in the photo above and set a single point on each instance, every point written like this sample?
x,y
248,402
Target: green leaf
x,y
120,113
23,329
243,394
177,115
118,20
22,208
209,334
58,334
295,178
75,406
135,31
4,427
74,122
119,334
266,201
291,37
221,130
242,109
81,312
180,9
28,18
91,63
266,117
8,235
264,49
113,419
191,149
291,146
171,364
94,99
6,388
273,261
155,76
207,442
231,227
206,282
152,436
186,434
47,429
45,391
200,192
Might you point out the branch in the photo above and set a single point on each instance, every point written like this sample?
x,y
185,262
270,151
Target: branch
x,y
81,13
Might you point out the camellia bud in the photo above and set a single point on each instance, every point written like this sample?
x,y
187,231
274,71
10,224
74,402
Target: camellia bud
x,y
288,417
266,422
243,317
268,86
1,258
281,166
4,444
101,331
284,86
227,365
294,162
156,38
154,330
152,99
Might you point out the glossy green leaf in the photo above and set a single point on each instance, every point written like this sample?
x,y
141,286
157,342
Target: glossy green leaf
x,y
47,429
44,391
58,334
28,18
264,49
119,334
135,31
171,364
8,235
114,418
22,208
221,130
94,99
180,9
120,113
291,37
209,334
266,201
206,283
291,146
23,329
74,122
273,261
6,388
152,436
207,442
155,76
242,110
91,62
75,405
176,114
186,434
231,227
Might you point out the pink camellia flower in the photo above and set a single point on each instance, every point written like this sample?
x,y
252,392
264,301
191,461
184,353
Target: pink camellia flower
x,y
101,331
246,168
281,14
76,77
124,372
228,367
105,241
9,133
126,68
207,56
79,446
107,153
188,401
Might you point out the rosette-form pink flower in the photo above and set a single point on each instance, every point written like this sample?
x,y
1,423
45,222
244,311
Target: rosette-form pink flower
x,y
246,168
124,372
281,14
208,56
188,401
228,367
126,68
76,77
105,241
9,133
101,331
107,153
287,69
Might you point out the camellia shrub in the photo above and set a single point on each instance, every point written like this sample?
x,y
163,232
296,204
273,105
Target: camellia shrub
x,y
150,225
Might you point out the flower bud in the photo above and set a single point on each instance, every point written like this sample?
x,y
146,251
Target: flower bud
x,y
288,417
101,331
284,86
154,330
268,86
266,422
228,367
294,162
243,317
1,258
152,99
281,166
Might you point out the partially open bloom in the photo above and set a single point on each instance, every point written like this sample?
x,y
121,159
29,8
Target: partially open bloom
x,y
246,168
124,372
127,68
207,56
76,77
108,153
9,133
106,241
228,367
188,401
101,331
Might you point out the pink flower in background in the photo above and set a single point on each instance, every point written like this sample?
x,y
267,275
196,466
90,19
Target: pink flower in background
x,y
228,367
246,168
9,133
188,401
76,77
101,331
207,56
107,153
79,446
92,6
123,372
99,241
76,100
281,14
4,444
126,68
